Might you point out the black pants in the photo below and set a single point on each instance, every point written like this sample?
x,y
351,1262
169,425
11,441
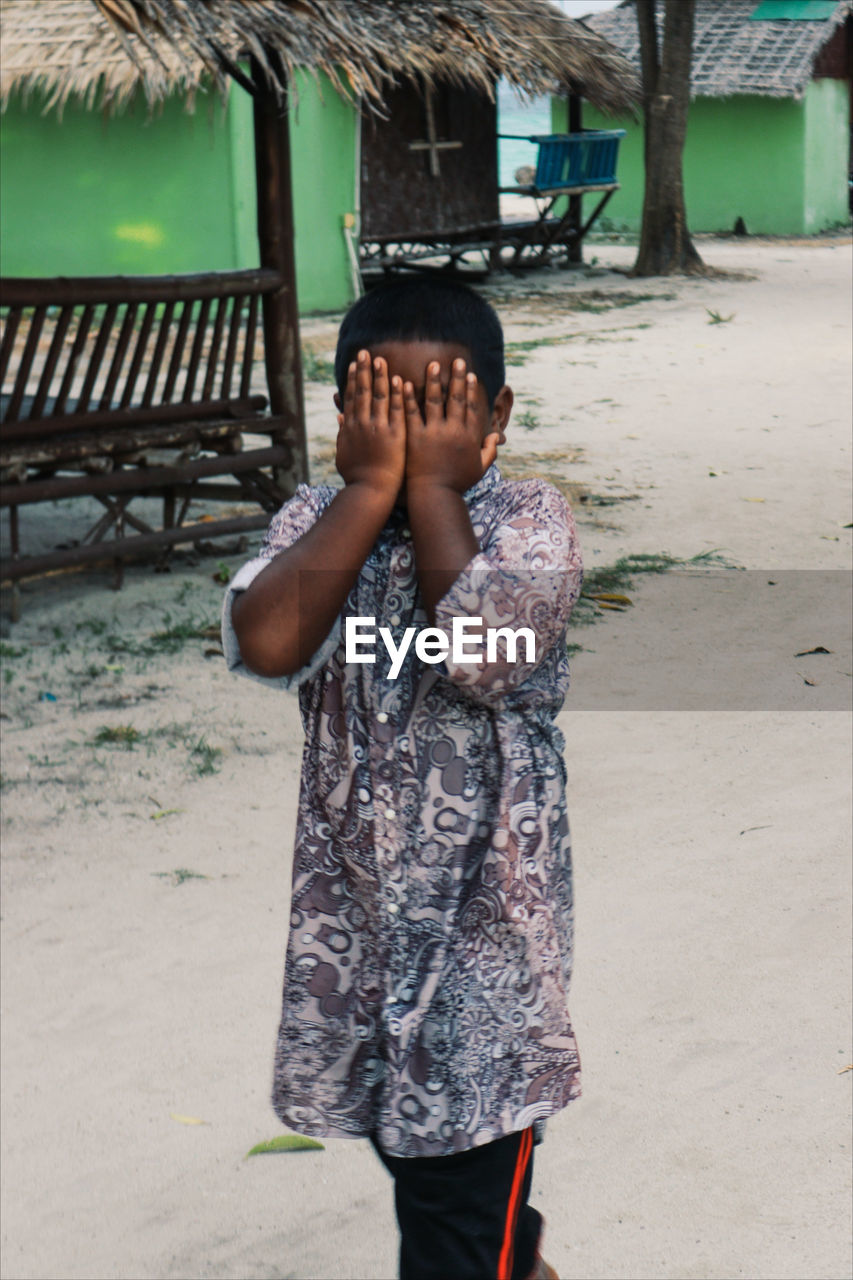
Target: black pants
x,y
466,1216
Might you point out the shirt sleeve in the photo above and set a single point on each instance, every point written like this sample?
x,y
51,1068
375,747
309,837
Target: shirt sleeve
x,y
525,580
294,520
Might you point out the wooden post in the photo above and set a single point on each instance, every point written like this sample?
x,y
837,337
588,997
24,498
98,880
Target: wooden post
x,y
14,536
282,353
575,254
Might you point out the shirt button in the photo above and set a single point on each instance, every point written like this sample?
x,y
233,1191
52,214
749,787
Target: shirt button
x,y
390,813
382,717
407,533
391,908
394,619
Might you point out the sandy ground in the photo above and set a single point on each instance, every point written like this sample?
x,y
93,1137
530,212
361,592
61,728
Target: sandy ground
x,y
146,878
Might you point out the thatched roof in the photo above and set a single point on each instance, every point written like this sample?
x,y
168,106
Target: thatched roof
x,y
731,52
103,51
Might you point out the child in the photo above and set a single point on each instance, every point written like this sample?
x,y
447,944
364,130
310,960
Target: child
x,y
430,943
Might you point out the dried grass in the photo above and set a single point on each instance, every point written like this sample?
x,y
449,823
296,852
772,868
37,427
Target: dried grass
x,y
103,51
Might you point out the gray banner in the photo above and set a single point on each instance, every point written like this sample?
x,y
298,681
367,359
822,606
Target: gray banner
x,y
719,640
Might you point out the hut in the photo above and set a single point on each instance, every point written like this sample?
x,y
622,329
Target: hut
x,y
768,134
408,149
128,386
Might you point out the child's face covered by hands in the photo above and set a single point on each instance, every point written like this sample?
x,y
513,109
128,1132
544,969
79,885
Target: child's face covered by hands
x,y
424,394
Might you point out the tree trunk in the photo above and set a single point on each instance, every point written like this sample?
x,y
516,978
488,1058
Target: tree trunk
x,y
665,244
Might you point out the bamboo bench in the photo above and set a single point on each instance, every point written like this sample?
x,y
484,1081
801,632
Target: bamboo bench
x,y
135,387
567,165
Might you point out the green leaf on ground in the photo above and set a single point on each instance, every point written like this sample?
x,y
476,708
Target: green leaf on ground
x,y
285,1142
180,874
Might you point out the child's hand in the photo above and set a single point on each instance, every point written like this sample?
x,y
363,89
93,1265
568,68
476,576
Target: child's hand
x,y
447,447
371,448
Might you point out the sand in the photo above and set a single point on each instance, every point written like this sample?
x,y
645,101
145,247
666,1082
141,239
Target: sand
x,y
146,878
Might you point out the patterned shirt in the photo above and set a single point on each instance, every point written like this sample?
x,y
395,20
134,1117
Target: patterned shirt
x,y
431,920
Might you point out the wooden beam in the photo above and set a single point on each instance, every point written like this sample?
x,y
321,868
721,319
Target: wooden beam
x,y
431,142
282,353
38,429
575,252
136,480
126,547
65,291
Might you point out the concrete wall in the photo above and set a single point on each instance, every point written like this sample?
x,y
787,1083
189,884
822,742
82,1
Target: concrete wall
x,y
172,192
779,164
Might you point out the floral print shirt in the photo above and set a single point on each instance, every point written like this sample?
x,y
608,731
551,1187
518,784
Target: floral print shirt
x,y
431,920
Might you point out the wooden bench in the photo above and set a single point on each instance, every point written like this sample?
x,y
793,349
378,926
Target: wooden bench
x,y
567,165
135,387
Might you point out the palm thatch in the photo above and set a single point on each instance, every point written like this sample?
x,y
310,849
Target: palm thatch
x,y
732,53
104,51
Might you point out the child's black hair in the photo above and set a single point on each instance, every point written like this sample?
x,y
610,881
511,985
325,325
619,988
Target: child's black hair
x,y
425,309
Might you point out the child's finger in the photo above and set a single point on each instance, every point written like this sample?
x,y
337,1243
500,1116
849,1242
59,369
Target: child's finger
x,y
396,411
433,397
380,392
349,393
457,393
472,407
410,407
363,389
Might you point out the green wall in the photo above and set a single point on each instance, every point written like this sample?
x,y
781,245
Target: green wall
x,y
89,195
172,192
324,142
779,164
827,154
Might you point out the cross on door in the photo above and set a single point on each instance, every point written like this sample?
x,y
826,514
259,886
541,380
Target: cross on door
x,y
431,143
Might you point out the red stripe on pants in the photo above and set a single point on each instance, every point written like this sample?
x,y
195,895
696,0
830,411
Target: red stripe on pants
x,y
506,1257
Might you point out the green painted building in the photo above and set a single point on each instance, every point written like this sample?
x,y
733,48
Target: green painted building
x,y
768,133
163,191
105,171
